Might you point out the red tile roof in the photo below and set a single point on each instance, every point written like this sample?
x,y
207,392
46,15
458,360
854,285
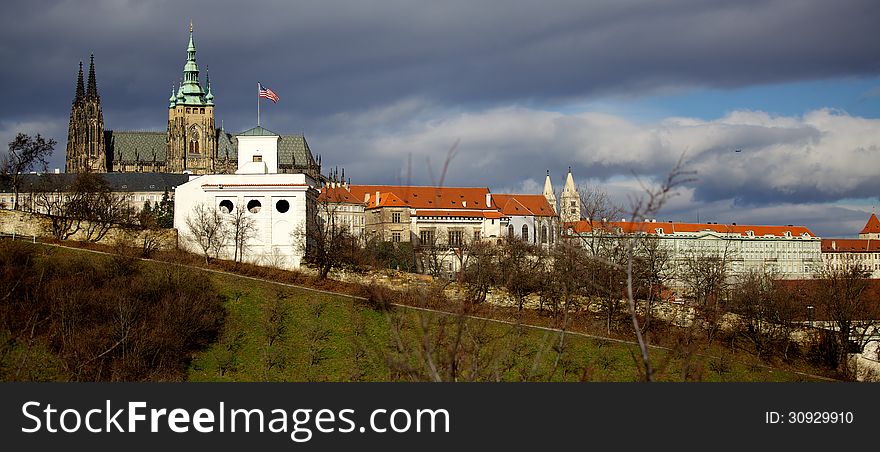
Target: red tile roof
x,y
535,205
458,213
872,227
672,227
338,195
850,245
386,199
425,197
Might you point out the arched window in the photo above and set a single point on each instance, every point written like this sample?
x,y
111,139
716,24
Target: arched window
x,y
194,140
525,232
510,231
544,234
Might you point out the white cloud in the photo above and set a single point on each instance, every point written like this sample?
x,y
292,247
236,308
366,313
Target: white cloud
x,y
810,160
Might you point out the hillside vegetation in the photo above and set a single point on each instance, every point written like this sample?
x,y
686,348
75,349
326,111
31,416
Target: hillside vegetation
x,y
75,315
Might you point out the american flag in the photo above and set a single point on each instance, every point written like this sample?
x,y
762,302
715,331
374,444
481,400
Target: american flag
x,y
267,93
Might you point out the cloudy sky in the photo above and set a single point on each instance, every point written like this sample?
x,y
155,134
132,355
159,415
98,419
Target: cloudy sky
x,y
615,89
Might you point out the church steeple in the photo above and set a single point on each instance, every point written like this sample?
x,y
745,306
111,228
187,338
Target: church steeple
x,y
190,88
548,193
92,92
570,201
80,86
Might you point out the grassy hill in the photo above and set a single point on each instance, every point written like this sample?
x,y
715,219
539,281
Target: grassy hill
x,y
276,332
336,338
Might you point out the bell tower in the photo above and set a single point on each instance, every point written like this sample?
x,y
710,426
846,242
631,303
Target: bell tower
x,y
191,136
570,201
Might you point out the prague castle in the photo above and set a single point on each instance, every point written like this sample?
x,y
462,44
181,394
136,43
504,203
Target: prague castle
x,y
191,143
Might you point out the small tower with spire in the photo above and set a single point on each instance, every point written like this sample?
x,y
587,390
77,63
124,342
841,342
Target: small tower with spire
x,y
570,201
86,151
549,194
871,230
191,136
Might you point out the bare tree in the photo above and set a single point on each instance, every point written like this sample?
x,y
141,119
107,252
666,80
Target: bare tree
x,y
765,312
51,198
242,229
207,229
641,208
654,268
481,272
706,275
431,253
95,205
519,268
25,154
328,242
852,307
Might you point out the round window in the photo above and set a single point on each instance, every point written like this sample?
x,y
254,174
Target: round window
x,y
254,206
226,206
282,206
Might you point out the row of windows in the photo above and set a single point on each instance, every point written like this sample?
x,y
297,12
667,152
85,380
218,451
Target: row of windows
x,y
866,267
852,256
455,236
254,206
525,234
200,111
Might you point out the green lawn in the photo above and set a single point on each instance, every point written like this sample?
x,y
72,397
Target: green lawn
x,y
335,338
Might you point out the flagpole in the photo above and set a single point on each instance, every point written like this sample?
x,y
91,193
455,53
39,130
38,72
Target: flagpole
x,y
258,104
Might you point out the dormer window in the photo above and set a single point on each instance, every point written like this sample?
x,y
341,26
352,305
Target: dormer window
x,y
750,233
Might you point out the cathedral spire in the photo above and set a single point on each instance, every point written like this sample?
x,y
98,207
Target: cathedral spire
x,y
92,91
190,87
80,86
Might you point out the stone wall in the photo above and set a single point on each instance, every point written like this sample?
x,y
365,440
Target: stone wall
x,y
31,224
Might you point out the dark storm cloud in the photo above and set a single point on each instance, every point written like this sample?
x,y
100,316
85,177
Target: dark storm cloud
x,y
385,88
334,56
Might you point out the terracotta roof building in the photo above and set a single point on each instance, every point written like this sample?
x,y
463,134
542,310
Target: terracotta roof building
x,y
863,252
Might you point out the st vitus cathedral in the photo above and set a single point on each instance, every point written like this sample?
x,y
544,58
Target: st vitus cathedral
x,y
191,143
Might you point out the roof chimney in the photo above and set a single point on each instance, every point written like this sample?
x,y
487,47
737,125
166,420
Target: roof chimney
x,y
366,197
488,199
377,199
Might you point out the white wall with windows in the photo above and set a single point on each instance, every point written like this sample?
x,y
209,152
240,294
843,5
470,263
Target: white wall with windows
x,y
278,204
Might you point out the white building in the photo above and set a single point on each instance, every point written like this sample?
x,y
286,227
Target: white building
x,y
277,204
790,252
863,252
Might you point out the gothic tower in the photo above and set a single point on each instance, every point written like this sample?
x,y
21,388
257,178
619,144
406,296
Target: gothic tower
x,y
85,131
191,137
549,194
570,201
